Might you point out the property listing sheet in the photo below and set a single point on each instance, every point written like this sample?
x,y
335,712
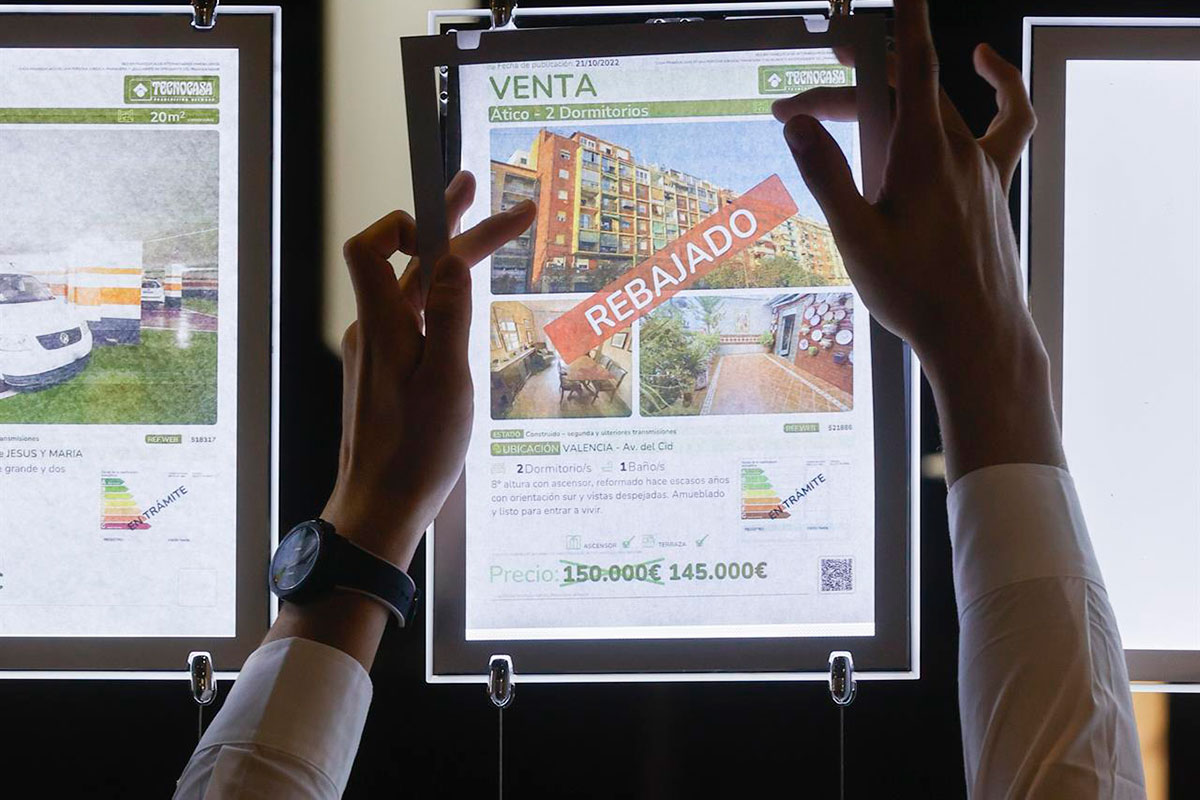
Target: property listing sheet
x,y
118,342
673,433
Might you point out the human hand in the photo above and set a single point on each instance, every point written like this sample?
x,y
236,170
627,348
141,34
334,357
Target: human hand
x,y
934,257
407,394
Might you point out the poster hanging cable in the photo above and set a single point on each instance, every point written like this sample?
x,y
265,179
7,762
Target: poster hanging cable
x,y
203,680
500,691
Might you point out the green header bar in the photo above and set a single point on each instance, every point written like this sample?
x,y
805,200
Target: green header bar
x,y
508,433
802,427
172,89
109,116
594,112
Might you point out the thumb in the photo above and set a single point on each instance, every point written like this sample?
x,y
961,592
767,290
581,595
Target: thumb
x,y
448,315
826,173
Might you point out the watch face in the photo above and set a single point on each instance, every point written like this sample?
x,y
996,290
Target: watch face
x,y
295,558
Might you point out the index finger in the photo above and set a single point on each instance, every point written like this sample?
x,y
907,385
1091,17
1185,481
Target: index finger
x,y
917,87
832,103
367,255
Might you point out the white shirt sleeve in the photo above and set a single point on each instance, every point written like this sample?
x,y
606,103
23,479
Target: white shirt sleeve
x,y
289,728
1043,689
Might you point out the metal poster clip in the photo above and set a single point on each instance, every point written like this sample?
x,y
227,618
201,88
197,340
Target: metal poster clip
x,y
500,681
503,12
842,685
202,678
204,14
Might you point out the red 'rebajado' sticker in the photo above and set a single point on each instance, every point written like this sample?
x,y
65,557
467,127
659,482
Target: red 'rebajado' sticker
x,y
674,268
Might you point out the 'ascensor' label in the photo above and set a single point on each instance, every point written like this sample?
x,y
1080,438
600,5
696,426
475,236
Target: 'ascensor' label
x,y
172,89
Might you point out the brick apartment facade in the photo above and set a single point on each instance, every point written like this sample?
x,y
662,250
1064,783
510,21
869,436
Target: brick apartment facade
x,y
600,212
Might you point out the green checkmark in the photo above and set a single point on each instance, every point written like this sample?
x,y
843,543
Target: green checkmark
x,y
626,542
700,542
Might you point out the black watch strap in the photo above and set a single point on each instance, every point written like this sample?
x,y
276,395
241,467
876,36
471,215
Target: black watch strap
x,y
369,574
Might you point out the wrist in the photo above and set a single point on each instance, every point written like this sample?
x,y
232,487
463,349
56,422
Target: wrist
x,y
992,360
994,402
387,533
350,622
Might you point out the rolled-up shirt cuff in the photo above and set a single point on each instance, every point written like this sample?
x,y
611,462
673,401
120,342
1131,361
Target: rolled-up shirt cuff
x,y
300,697
1016,522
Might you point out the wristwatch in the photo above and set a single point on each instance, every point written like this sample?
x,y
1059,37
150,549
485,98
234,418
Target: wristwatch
x,y
314,559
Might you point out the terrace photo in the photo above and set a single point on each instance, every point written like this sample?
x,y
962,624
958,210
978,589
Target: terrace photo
x,y
611,196
531,381
706,353
109,283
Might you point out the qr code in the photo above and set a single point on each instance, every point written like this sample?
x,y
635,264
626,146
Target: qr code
x,y
837,574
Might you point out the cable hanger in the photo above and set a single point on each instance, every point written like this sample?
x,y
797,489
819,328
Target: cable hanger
x,y
204,14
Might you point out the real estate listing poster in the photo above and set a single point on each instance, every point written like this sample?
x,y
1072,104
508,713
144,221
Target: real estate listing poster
x,y
674,410
118,341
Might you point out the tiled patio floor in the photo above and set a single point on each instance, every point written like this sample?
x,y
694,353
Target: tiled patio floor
x,y
764,383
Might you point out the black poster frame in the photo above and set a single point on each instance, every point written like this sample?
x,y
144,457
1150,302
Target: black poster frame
x,y
890,653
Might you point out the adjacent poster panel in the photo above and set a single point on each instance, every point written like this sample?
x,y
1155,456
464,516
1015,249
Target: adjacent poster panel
x,y
118,341
128,270
1112,249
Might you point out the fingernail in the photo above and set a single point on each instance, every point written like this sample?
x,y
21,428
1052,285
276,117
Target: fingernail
x,y
457,180
520,209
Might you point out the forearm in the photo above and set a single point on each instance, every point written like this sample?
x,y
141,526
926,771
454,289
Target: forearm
x,y
289,728
1043,690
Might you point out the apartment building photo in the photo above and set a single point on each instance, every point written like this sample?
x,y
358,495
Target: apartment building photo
x,y
602,210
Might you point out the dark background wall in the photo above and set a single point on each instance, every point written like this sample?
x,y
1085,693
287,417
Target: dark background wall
x,y
105,740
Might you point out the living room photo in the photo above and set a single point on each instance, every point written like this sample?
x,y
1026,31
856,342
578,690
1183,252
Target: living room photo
x,y
531,381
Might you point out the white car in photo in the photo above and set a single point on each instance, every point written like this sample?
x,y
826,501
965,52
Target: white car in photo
x,y
42,341
152,293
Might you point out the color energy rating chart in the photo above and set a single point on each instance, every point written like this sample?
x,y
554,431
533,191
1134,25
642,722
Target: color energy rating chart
x,y
119,510
760,500
807,498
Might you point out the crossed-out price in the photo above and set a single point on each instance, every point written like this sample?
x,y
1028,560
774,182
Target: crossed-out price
x,y
643,572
